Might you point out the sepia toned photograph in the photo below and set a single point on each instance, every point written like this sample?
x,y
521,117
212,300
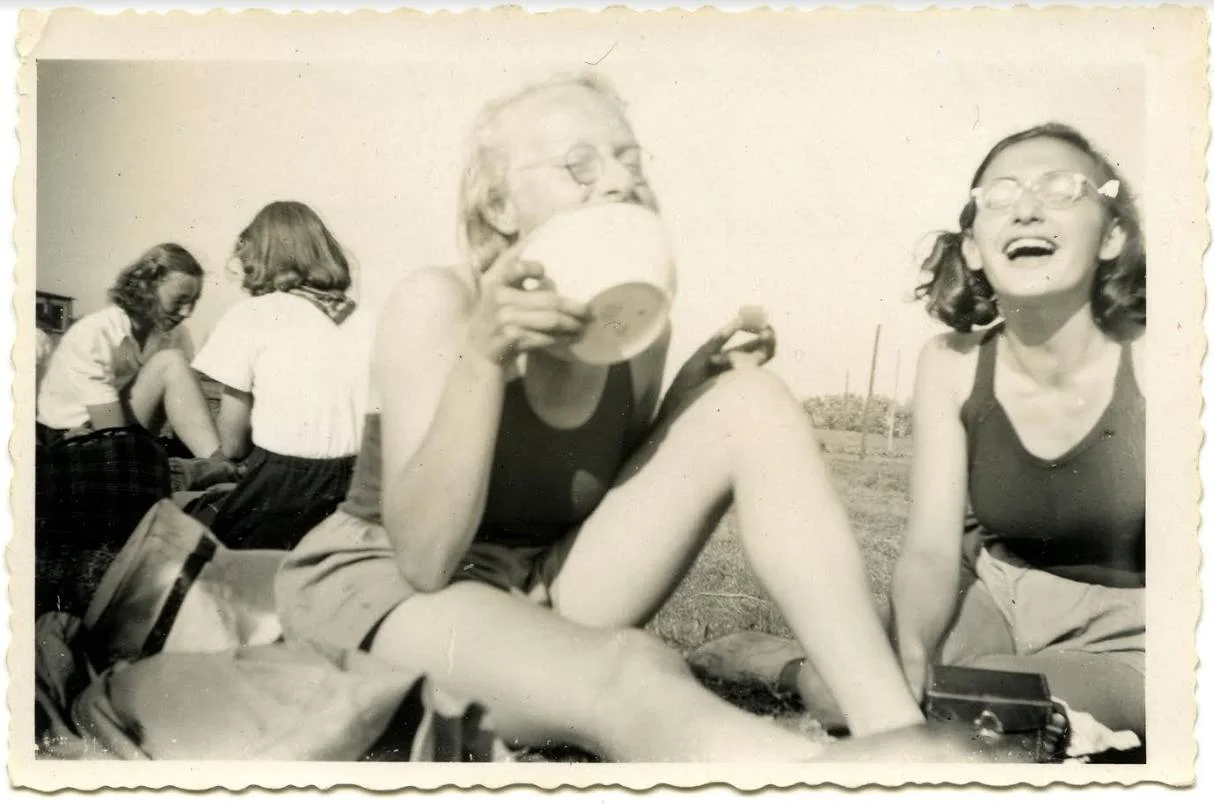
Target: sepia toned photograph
x,y
607,398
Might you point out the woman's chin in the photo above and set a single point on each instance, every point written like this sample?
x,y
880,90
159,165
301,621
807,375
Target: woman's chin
x,y
1041,291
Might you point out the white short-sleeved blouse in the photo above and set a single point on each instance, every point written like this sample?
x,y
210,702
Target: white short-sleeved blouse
x,y
308,376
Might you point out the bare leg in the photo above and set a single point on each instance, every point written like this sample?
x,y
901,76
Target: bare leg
x,y
167,386
747,439
619,693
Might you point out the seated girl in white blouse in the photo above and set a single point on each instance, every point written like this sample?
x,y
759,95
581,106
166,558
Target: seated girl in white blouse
x,y
117,376
128,363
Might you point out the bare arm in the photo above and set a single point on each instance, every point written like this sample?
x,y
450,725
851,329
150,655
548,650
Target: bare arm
x,y
441,402
926,576
234,423
439,363
107,415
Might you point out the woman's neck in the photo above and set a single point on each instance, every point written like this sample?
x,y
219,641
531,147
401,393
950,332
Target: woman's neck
x,y
140,330
563,393
1051,342
558,372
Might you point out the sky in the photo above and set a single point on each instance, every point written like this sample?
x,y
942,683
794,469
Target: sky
x,y
800,166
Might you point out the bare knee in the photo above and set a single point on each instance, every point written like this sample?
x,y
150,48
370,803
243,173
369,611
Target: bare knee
x,y
168,363
752,401
166,360
631,660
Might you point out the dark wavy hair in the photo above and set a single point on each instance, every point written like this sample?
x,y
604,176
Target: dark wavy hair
x,y
288,246
963,298
135,288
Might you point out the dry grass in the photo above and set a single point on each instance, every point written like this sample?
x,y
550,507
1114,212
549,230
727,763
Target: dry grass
x,y
720,595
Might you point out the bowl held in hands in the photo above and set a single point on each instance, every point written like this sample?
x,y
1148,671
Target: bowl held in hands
x,y
615,258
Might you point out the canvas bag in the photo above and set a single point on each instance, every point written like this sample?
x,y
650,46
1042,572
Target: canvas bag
x,y
175,587
184,649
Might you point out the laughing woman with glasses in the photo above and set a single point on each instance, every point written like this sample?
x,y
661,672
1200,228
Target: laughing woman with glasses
x,y
1025,549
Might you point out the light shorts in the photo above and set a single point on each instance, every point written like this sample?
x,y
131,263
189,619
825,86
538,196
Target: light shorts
x,y
1043,613
342,579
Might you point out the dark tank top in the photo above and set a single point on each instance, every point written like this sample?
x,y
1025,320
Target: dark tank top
x,y
544,480
1081,515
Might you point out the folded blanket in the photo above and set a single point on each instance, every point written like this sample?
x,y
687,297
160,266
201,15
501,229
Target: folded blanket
x,y
271,702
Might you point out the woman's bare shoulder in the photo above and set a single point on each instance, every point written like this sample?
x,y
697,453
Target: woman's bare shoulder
x,y
948,362
450,279
431,289
952,348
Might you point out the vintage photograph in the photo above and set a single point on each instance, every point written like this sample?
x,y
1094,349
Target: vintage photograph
x,y
607,398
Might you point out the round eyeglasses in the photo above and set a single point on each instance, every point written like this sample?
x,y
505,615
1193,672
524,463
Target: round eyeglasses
x,y
585,163
1057,190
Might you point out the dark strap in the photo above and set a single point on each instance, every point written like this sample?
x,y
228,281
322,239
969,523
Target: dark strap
x,y
1126,383
190,570
982,393
984,378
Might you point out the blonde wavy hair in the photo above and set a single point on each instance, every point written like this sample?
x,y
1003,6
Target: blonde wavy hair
x,y
484,178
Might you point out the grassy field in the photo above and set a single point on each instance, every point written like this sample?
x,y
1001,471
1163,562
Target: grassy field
x,y
721,595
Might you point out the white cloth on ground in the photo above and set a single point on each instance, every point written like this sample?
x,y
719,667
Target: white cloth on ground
x,y
1089,736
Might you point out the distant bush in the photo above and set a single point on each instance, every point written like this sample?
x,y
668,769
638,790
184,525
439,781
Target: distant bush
x,y
840,412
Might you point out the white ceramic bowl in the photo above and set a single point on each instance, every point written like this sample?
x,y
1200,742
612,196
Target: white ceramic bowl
x,y
616,258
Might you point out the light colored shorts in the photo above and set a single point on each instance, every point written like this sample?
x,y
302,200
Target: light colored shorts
x,y
1034,612
342,579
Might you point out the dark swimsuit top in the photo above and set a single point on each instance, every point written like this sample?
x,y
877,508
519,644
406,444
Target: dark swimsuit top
x,y
544,480
1081,515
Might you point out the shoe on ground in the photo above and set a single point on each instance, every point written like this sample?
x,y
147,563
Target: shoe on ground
x,y
751,658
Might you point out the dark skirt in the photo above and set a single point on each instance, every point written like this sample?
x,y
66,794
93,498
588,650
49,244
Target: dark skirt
x,y
90,491
279,500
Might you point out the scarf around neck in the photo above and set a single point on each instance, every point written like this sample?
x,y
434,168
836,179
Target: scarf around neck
x,y
333,303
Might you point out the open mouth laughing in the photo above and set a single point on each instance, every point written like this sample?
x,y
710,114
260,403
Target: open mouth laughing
x,y
1029,250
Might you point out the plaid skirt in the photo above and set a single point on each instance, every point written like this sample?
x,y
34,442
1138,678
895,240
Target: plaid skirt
x,y
90,492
